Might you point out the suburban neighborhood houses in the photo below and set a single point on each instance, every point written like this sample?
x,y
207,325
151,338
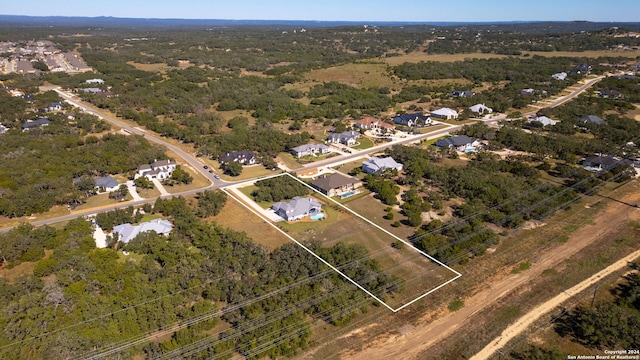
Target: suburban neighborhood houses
x,y
336,184
348,138
297,208
310,150
459,143
411,120
379,164
127,232
244,157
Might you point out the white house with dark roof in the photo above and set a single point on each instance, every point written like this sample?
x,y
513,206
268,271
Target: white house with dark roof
x,y
378,164
297,208
460,143
160,170
559,76
103,184
310,149
244,157
94,81
445,113
127,232
411,120
348,138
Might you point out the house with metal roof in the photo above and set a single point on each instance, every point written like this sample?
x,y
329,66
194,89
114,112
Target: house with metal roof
x,y
336,184
127,232
462,93
379,164
445,113
559,76
297,208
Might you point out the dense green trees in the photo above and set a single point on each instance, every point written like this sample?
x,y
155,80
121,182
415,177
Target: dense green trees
x,y
279,188
200,274
210,202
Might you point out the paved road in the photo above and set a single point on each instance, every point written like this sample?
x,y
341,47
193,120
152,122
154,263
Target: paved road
x,y
218,183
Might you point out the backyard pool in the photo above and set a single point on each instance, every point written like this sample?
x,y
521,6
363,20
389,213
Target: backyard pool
x,y
317,216
346,195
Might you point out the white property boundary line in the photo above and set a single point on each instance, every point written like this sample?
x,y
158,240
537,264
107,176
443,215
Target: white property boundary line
x,y
458,275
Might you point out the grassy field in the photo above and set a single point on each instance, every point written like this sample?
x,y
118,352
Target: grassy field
x,y
417,273
237,217
346,168
288,160
98,201
55,211
363,143
159,67
148,193
248,172
421,56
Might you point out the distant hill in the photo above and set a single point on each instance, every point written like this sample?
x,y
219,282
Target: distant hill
x,y
138,23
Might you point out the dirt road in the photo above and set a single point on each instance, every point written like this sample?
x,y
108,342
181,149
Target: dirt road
x,y
413,343
521,324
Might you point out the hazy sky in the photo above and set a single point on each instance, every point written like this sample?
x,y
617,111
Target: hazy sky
x,y
352,10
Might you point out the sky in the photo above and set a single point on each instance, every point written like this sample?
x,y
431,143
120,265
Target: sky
x,y
338,10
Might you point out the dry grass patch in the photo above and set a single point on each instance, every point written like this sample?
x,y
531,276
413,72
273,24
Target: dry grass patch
x,y
236,217
159,67
360,75
421,56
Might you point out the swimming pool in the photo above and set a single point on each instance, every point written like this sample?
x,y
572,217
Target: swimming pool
x,y
317,216
346,195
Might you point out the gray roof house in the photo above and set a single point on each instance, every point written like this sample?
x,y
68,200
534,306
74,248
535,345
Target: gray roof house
x,y
591,119
480,109
127,232
347,138
543,120
445,113
463,93
461,143
336,184
103,184
35,123
559,76
411,120
598,163
297,208
244,157
377,164
310,149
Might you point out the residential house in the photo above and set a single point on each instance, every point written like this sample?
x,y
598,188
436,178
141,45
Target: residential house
x,y
609,93
480,109
346,138
93,90
368,123
527,92
54,106
127,232
591,119
411,120
3,129
378,164
543,120
35,123
310,149
95,81
244,157
463,93
336,184
297,208
559,76
103,184
580,69
460,143
445,113
157,170
599,163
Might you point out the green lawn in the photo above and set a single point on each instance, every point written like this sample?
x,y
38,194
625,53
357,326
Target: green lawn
x,y
100,200
289,160
248,172
363,143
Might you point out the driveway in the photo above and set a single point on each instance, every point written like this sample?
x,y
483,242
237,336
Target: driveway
x,y
159,186
132,191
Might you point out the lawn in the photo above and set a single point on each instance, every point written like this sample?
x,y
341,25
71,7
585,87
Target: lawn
x,y
248,172
55,211
289,161
236,217
347,167
428,129
99,201
417,273
148,193
363,143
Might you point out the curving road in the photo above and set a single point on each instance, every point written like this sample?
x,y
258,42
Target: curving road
x,y
219,183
